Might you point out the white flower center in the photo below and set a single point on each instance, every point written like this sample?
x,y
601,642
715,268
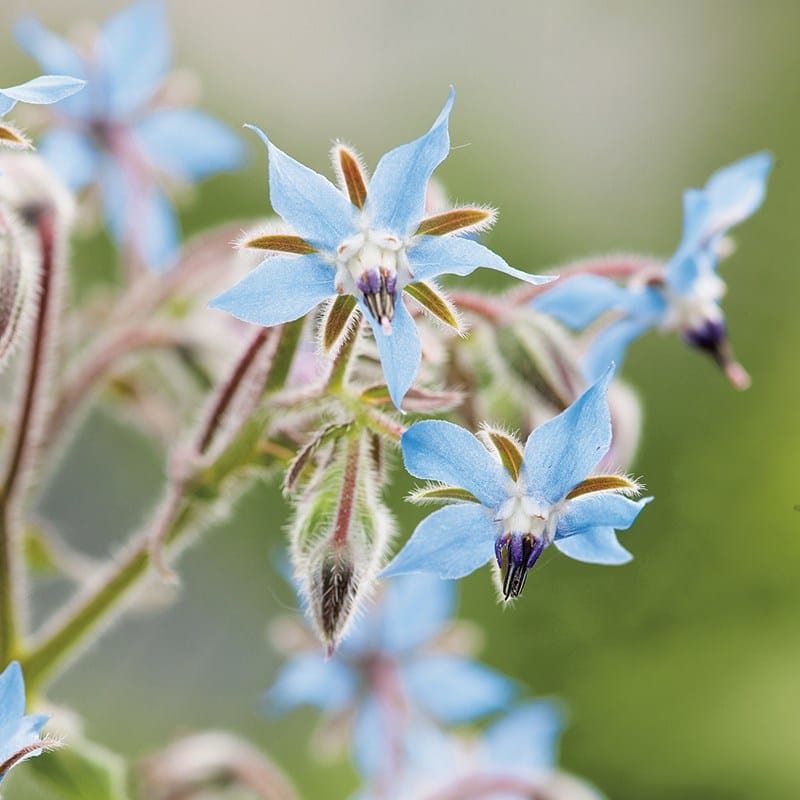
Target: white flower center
x,y
693,311
373,266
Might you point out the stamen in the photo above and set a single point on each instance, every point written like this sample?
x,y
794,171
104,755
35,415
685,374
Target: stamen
x,y
516,554
379,288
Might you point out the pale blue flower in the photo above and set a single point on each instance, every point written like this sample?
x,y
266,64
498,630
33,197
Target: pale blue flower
x,y
371,251
521,745
120,135
515,507
687,297
19,734
391,669
43,90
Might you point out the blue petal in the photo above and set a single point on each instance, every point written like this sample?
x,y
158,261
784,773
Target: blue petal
x,y
560,453
400,353
309,679
595,546
43,90
450,543
454,689
528,736
280,289
736,191
441,451
609,346
430,256
578,301
12,694
134,52
58,57
71,156
188,143
307,201
55,55
599,509
414,610
396,193
372,738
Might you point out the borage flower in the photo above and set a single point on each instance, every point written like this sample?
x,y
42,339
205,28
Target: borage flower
x,y
368,240
686,298
19,734
121,133
43,90
514,758
512,504
393,670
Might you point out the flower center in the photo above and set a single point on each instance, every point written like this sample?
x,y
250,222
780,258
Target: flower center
x,y
374,266
526,534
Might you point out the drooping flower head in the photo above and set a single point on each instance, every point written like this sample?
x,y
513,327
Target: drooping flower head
x,y
393,669
19,734
511,504
365,242
122,133
686,297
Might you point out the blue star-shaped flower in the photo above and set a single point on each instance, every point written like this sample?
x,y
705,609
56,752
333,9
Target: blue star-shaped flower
x,y
516,504
369,240
19,734
687,297
120,135
512,754
391,670
43,90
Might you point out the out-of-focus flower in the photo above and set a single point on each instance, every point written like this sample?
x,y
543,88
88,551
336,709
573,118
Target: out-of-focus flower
x,y
512,504
369,240
510,759
120,135
392,669
686,297
19,734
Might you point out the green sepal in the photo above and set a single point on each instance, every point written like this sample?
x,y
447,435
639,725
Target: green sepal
x,y
337,321
507,449
434,303
605,483
441,494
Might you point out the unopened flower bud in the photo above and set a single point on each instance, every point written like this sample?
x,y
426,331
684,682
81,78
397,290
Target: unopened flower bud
x,y
340,535
15,283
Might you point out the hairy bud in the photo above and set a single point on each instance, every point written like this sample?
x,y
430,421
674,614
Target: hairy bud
x,y
16,268
340,534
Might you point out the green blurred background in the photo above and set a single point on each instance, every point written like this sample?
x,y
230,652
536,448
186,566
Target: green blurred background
x,y
583,122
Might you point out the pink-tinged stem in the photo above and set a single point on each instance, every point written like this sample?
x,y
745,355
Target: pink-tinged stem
x,y
347,502
96,365
617,267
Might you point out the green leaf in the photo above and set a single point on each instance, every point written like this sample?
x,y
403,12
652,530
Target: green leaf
x,y
82,770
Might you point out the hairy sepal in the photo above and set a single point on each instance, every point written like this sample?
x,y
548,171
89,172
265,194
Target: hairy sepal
x,y
339,318
435,303
466,219
13,138
507,449
303,461
351,173
607,483
417,399
440,493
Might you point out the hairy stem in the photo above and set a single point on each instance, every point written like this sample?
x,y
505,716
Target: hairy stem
x,y
26,435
